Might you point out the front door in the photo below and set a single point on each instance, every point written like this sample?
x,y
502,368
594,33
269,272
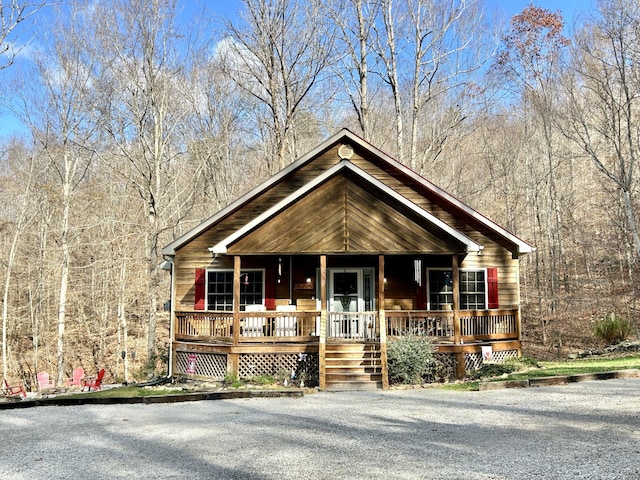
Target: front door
x,y
345,290
345,301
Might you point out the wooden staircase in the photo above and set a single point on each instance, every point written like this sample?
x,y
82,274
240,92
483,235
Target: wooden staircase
x,y
353,366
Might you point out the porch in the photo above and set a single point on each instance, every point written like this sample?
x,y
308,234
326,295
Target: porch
x,y
301,326
265,342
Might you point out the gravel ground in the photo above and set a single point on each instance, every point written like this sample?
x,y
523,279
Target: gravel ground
x,y
589,430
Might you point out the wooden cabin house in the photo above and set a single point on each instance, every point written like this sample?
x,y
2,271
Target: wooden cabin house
x,y
318,268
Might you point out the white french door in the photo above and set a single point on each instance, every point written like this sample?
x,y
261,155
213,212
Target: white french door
x,y
349,294
345,290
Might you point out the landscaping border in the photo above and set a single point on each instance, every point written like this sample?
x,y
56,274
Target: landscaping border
x,y
559,379
62,401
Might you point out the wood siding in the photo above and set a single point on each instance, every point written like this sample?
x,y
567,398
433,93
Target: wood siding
x,y
345,216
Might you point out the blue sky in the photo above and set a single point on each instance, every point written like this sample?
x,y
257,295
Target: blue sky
x,y
509,8
568,8
506,8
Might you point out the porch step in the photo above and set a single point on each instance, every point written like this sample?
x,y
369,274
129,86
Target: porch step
x,y
353,366
345,386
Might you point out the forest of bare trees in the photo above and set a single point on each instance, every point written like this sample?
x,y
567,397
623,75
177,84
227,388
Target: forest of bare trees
x,y
140,118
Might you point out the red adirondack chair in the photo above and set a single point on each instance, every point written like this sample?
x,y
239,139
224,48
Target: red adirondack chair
x,y
93,382
13,390
78,375
44,382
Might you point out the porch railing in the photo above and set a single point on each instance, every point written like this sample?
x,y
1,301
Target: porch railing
x,y
204,325
301,326
489,324
422,323
254,326
352,325
474,324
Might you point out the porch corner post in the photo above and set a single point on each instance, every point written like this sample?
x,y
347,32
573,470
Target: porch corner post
x,y
519,330
322,345
518,313
457,331
173,322
383,325
234,359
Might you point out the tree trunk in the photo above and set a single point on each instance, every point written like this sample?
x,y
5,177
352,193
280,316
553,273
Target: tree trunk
x,y
64,267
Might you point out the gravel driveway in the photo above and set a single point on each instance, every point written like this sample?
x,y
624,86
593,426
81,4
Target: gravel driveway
x,y
589,430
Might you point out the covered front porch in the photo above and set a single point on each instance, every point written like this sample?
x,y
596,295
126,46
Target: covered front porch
x,y
319,303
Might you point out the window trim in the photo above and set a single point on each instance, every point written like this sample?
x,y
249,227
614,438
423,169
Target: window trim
x,y
460,270
242,271
486,288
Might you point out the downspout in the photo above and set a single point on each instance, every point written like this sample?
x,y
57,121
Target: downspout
x,y
169,259
172,316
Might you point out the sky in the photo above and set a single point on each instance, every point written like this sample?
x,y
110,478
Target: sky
x,y
570,9
509,7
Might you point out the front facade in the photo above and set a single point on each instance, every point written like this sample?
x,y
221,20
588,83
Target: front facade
x,y
311,274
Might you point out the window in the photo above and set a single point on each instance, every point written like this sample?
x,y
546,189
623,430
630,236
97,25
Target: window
x,y
472,289
220,289
440,289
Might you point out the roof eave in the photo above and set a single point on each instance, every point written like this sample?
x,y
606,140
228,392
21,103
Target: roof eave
x,y
222,246
171,248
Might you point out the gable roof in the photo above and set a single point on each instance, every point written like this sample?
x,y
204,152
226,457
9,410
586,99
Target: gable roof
x,y
347,137
221,247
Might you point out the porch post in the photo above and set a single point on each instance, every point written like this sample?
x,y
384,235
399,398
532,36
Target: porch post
x,y
383,324
457,333
518,313
322,345
518,328
234,359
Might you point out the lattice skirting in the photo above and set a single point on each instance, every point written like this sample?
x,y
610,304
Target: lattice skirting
x,y
213,365
277,365
442,369
473,361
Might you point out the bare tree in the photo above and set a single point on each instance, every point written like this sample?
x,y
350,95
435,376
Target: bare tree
x,y
387,49
277,56
529,58
222,165
427,53
60,113
603,117
146,56
448,47
354,20
14,13
22,220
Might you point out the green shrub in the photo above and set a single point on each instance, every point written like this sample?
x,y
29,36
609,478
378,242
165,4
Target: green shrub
x,y
612,329
408,359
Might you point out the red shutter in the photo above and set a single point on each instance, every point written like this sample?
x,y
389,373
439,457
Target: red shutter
x,y
492,287
270,289
198,303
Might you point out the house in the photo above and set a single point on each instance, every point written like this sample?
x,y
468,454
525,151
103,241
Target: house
x,y
315,270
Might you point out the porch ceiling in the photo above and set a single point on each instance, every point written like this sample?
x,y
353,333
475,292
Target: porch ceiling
x,y
346,214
